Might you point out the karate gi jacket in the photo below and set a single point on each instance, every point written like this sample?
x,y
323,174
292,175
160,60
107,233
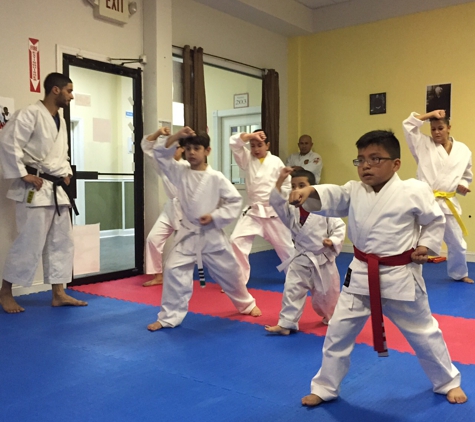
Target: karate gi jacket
x,y
401,216
308,239
32,138
172,207
260,177
442,171
311,162
214,195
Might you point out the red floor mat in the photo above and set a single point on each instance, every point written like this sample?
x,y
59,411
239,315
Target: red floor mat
x,y
458,332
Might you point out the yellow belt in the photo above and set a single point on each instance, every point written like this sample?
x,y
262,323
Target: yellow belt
x,y
445,196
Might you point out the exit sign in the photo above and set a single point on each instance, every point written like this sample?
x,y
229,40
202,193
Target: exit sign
x,y
116,10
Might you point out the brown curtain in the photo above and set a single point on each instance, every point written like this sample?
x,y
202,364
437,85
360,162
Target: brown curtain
x,y
194,95
271,108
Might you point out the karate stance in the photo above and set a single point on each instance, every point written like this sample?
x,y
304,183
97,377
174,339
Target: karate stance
x,y
446,165
169,219
318,241
34,154
209,202
392,224
258,217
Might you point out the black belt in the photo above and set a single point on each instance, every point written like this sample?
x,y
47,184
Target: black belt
x,y
57,181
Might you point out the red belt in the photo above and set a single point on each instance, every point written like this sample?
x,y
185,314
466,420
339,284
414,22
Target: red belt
x,y
377,322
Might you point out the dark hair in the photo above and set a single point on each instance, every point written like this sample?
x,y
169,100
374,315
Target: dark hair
x,y
304,173
55,79
385,138
201,138
445,119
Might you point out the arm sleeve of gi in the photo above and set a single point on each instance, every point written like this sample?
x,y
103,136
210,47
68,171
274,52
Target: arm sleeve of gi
x,y
467,174
431,219
334,199
13,139
241,154
336,232
147,148
229,206
165,161
416,140
281,207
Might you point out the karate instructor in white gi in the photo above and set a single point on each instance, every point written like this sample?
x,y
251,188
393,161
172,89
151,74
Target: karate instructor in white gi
x,y
34,155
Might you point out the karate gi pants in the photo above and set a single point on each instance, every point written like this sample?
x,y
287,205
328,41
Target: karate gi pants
x,y
271,229
178,284
456,249
42,234
156,239
301,279
416,323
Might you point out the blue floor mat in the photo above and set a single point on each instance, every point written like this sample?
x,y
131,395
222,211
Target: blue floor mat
x,y
99,363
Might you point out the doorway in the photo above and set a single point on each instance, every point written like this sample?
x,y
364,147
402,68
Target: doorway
x,y
105,124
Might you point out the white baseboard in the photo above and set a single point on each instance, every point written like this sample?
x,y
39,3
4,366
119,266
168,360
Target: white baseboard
x,y
35,288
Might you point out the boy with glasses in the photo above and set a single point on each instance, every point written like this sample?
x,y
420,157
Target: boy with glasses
x,y
392,224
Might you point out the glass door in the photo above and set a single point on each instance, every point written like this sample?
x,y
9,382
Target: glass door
x,y
105,125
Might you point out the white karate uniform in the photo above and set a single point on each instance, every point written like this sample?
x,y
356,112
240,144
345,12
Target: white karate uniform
x,y
32,138
443,172
199,193
167,222
310,161
312,267
258,217
401,216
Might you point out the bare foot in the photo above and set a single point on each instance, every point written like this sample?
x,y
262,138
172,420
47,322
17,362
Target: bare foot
x,y
66,300
154,326
255,312
312,400
456,396
467,280
158,279
8,303
277,329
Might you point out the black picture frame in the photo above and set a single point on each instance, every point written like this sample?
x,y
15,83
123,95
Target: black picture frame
x,y
377,103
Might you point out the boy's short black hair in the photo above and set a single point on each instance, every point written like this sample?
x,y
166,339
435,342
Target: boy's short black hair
x,y
385,138
445,119
201,138
55,79
304,173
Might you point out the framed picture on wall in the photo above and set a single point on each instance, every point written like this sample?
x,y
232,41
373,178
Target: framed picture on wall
x,y
438,97
377,103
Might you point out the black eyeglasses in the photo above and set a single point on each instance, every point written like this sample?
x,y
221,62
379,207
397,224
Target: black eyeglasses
x,y
373,161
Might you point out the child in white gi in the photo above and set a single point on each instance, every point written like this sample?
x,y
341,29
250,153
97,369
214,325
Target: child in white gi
x,y
392,223
209,202
446,165
169,219
258,217
318,241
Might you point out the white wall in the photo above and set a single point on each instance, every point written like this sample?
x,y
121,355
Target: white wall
x,y
225,36
54,22
72,24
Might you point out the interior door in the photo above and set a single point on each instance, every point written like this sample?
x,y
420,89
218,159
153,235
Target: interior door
x,y
105,125
231,125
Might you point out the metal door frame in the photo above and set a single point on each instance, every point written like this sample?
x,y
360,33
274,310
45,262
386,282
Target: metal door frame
x,y
139,201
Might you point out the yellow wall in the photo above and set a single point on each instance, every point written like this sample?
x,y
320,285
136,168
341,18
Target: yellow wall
x,y
331,75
